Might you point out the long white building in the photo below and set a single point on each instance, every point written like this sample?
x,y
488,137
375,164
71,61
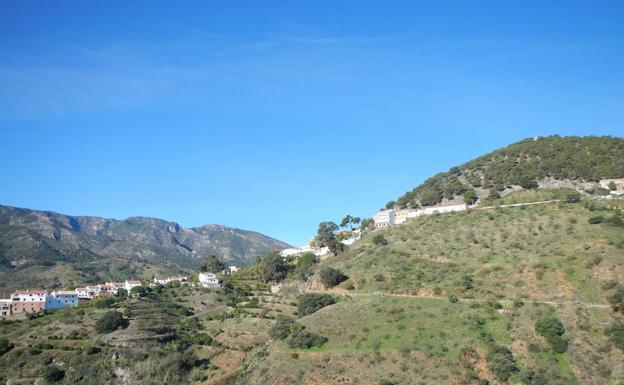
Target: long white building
x,y
385,218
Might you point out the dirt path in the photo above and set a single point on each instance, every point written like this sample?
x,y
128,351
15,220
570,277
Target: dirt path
x,y
518,204
502,301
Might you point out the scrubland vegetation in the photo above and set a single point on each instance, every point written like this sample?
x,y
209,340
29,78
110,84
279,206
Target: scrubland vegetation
x,y
472,313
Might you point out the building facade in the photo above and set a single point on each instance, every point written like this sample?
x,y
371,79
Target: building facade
x,y
28,301
208,280
385,218
5,307
131,284
60,299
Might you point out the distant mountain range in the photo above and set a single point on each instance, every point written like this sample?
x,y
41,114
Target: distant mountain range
x,y
51,249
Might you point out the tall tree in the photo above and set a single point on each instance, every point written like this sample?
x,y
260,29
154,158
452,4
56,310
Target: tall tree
x,y
272,267
350,221
211,264
325,237
346,221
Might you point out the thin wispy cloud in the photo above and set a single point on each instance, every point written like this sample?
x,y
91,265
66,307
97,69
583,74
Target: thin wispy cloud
x,y
89,77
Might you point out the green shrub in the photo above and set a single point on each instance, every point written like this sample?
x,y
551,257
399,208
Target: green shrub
x,y
109,322
141,291
196,339
501,362
103,302
612,186
494,194
615,332
551,328
309,303
331,277
453,298
468,282
470,197
305,339
380,240
281,329
5,346
615,220
595,220
573,197
306,260
52,374
617,299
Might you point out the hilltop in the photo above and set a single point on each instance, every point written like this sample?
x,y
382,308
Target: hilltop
x,y
50,249
553,161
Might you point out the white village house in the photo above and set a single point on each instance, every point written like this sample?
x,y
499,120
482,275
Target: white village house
x,y
208,280
5,307
163,281
294,251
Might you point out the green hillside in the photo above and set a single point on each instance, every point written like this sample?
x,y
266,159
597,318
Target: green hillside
x,y
524,295
521,295
525,164
542,251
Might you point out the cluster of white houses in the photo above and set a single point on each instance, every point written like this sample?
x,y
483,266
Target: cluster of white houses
x,y
36,300
385,218
205,279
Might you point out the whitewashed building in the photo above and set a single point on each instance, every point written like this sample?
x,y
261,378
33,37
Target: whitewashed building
x,y
5,307
295,251
400,216
437,210
208,280
129,284
163,281
384,218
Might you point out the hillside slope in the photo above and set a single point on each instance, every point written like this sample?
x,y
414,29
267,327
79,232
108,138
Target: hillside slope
x,y
527,164
58,249
510,270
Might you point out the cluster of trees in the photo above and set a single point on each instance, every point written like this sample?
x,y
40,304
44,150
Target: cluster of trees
x,y
310,303
325,237
380,240
5,346
523,163
501,362
350,221
52,373
295,334
617,299
614,220
331,277
210,264
272,267
550,327
109,322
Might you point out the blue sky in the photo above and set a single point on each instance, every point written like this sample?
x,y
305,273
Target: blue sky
x,y
274,116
